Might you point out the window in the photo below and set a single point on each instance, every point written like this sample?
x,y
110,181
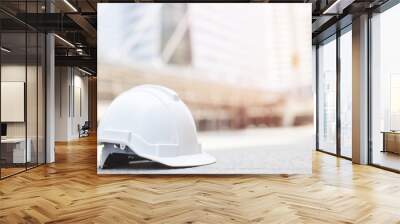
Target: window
x,y
346,93
327,96
385,89
22,88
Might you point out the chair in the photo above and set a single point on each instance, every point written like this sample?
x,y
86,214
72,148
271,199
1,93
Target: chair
x,y
84,130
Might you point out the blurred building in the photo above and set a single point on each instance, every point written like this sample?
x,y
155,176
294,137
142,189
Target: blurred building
x,y
234,68
135,37
242,45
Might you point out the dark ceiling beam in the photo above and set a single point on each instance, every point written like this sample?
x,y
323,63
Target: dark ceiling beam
x,y
19,58
330,18
86,26
332,29
81,61
321,22
8,15
11,25
381,6
337,7
88,71
91,5
49,22
86,51
53,22
59,22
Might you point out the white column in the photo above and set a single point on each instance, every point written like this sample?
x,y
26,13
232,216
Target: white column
x,y
50,92
360,90
50,99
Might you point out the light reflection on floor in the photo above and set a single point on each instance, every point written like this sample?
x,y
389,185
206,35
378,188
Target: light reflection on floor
x,y
386,159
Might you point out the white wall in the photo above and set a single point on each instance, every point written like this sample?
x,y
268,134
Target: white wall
x,y
34,125
12,73
80,109
70,83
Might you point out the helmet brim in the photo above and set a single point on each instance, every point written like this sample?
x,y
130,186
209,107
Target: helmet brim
x,y
185,160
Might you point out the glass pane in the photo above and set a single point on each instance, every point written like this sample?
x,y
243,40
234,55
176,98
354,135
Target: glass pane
x,y
13,87
327,97
31,97
41,98
32,88
386,89
22,89
346,94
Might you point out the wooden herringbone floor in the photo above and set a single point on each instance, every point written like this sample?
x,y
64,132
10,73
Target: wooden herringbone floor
x,y
70,191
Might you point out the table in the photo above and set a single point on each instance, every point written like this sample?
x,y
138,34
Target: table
x,y
15,148
391,141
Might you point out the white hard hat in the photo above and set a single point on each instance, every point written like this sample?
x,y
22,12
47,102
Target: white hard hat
x,y
151,122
